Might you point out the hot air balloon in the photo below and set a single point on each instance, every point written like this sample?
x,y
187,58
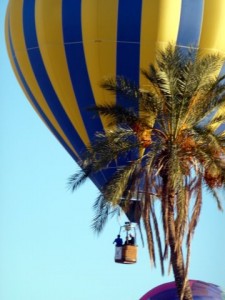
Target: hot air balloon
x,y
60,51
201,291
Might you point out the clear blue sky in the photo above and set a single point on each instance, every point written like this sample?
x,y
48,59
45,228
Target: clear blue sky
x,y
47,248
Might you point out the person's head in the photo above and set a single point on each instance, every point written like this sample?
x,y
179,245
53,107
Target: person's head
x,y
118,236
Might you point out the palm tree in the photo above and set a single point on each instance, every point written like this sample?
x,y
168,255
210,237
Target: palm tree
x,y
177,142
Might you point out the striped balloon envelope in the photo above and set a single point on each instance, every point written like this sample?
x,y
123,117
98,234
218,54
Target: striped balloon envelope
x,y
200,291
60,51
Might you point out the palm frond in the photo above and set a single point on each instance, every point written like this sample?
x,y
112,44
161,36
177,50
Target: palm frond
x,y
122,87
103,209
216,197
114,190
148,229
77,179
203,104
119,140
157,235
196,209
117,114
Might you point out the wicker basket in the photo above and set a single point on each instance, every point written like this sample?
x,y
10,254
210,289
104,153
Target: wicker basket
x,y
126,254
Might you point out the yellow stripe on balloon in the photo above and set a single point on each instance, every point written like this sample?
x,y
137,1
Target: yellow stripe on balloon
x,y
213,37
11,56
149,32
160,24
212,33
99,31
48,16
14,15
169,20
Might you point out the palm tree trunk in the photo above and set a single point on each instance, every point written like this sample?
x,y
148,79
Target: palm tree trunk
x,y
177,260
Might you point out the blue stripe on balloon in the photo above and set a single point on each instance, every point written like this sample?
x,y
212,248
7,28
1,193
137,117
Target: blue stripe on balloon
x,y
35,103
128,39
128,47
100,179
42,76
190,23
73,41
72,33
